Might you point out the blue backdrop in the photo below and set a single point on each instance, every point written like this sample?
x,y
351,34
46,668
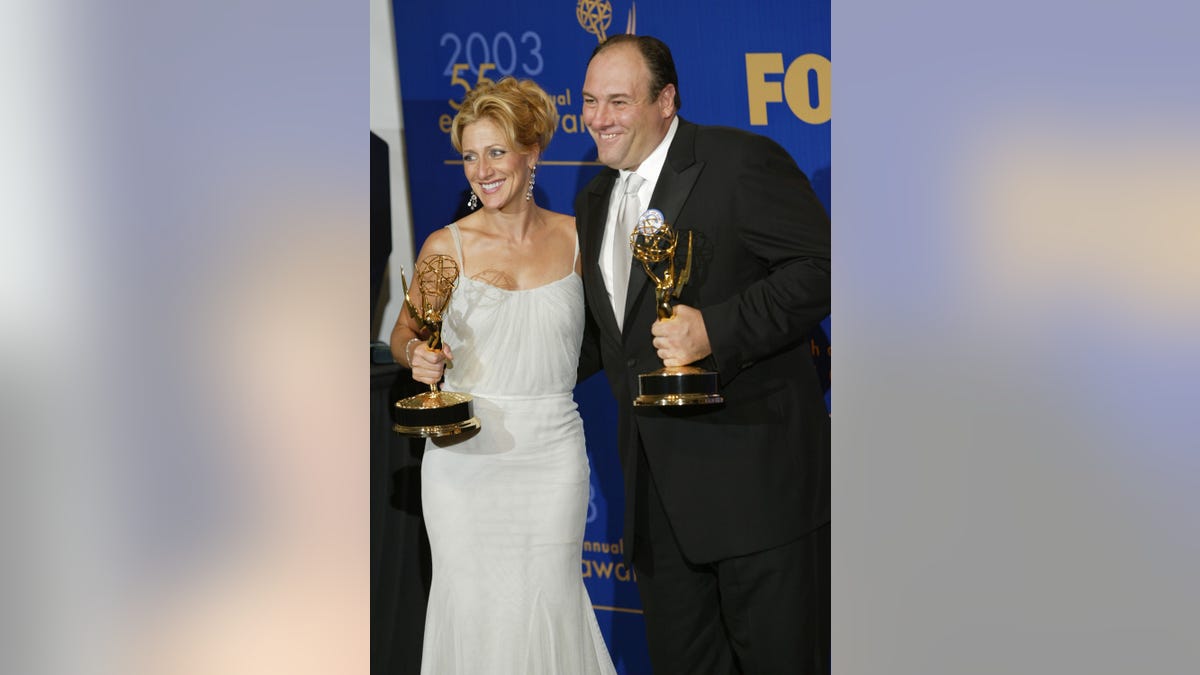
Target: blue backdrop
x,y
760,66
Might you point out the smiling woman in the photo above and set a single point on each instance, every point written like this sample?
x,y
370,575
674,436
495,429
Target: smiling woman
x,y
506,504
490,165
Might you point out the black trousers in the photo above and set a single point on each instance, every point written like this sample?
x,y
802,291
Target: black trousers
x,y
767,612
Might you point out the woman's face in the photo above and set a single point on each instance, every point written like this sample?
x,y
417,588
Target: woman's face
x,y
498,174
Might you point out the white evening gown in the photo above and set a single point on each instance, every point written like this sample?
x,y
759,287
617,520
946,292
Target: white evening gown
x,y
506,508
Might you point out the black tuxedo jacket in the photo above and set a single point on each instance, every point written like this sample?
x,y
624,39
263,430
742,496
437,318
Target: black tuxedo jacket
x,y
753,472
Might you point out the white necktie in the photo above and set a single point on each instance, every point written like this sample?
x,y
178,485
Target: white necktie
x,y
628,212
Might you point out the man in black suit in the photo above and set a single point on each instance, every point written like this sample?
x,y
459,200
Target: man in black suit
x,y
727,505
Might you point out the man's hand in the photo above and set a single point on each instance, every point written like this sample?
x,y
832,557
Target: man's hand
x,y
681,339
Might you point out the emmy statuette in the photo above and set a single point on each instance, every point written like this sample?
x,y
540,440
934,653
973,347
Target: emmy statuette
x,y
433,413
654,241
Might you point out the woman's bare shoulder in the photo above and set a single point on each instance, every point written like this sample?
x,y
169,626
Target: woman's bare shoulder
x,y
439,242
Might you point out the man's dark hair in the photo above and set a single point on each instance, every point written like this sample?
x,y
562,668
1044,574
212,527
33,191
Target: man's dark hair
x,y
658,59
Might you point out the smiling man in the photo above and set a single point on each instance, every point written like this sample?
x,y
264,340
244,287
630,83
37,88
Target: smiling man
x,y
727,505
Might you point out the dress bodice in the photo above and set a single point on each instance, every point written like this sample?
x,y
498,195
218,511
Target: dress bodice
x,y
513,343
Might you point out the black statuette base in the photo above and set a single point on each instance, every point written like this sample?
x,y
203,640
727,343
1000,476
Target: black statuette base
x,y
679,385
432,414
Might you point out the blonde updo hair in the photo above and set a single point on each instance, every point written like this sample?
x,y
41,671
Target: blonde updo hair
x,y
524,112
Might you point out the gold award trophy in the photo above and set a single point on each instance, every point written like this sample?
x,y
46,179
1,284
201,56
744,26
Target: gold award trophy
x,y
433,413
654,241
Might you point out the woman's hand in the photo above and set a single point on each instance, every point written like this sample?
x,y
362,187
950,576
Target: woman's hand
x,y
428,364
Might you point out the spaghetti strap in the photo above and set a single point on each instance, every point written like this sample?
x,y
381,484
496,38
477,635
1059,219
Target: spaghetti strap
x,y
453,227
575,260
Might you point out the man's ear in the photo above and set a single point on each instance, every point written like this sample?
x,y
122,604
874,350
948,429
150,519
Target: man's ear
x,y
666,100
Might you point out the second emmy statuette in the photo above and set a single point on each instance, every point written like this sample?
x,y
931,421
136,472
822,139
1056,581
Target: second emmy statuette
x,y
433,413
654,241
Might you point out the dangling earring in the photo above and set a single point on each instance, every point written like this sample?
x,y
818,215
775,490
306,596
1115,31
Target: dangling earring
x,y
529,190
473,201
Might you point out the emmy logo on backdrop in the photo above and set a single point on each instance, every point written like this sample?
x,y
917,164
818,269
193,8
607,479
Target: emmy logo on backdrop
x,y
433,413
654,241
595,16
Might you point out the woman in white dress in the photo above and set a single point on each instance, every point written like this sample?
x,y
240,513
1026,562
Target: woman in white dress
x,y
505,506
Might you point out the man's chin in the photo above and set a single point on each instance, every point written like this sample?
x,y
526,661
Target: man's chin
x,y
609,159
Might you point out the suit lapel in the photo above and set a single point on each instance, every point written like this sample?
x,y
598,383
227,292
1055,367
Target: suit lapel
x,y
597,212
675,182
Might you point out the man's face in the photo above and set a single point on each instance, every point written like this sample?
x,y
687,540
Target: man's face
x,y
624,121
